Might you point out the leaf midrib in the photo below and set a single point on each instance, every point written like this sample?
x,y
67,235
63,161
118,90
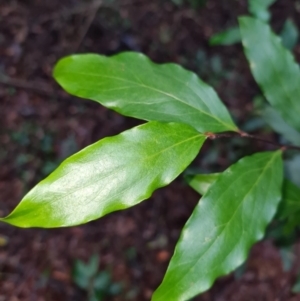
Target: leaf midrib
x,y
226,224
99,179
277,76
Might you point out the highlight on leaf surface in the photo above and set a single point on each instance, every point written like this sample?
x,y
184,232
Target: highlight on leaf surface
x,y
132,85
112,174
273,67
229,219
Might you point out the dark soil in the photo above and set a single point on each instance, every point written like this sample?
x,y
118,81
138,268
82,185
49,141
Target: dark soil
x,y
40,126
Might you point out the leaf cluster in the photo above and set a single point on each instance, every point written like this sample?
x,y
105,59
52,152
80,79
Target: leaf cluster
x,y
181,112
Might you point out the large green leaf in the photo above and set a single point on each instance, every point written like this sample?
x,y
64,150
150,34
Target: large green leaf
x,y
288,211
228,220
274,68
290,192
112,174
132,85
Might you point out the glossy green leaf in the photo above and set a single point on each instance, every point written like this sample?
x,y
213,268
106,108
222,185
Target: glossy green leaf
x,y
201,182
132,85
112,174
289,34
260,9
227,37
228,220
288,212
289,205
273,67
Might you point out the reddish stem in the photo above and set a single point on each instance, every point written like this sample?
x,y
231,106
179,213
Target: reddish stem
x,y
246,135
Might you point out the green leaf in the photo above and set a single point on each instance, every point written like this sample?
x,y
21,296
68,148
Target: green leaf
x,y
83,273
79,275
102,281
290,206
289,34
260,9
228,220
201,182
227,37
275,121
287,220
132,85
113,174
287,215
93,265
274,68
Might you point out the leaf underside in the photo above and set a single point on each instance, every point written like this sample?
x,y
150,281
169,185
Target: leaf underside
x,y
228,220
132,85
273,68
113,174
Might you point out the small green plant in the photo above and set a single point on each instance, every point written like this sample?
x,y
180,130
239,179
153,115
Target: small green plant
x,y
181,112
97,284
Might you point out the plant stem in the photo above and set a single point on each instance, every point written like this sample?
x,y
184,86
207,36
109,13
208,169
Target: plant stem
x,y
241,134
